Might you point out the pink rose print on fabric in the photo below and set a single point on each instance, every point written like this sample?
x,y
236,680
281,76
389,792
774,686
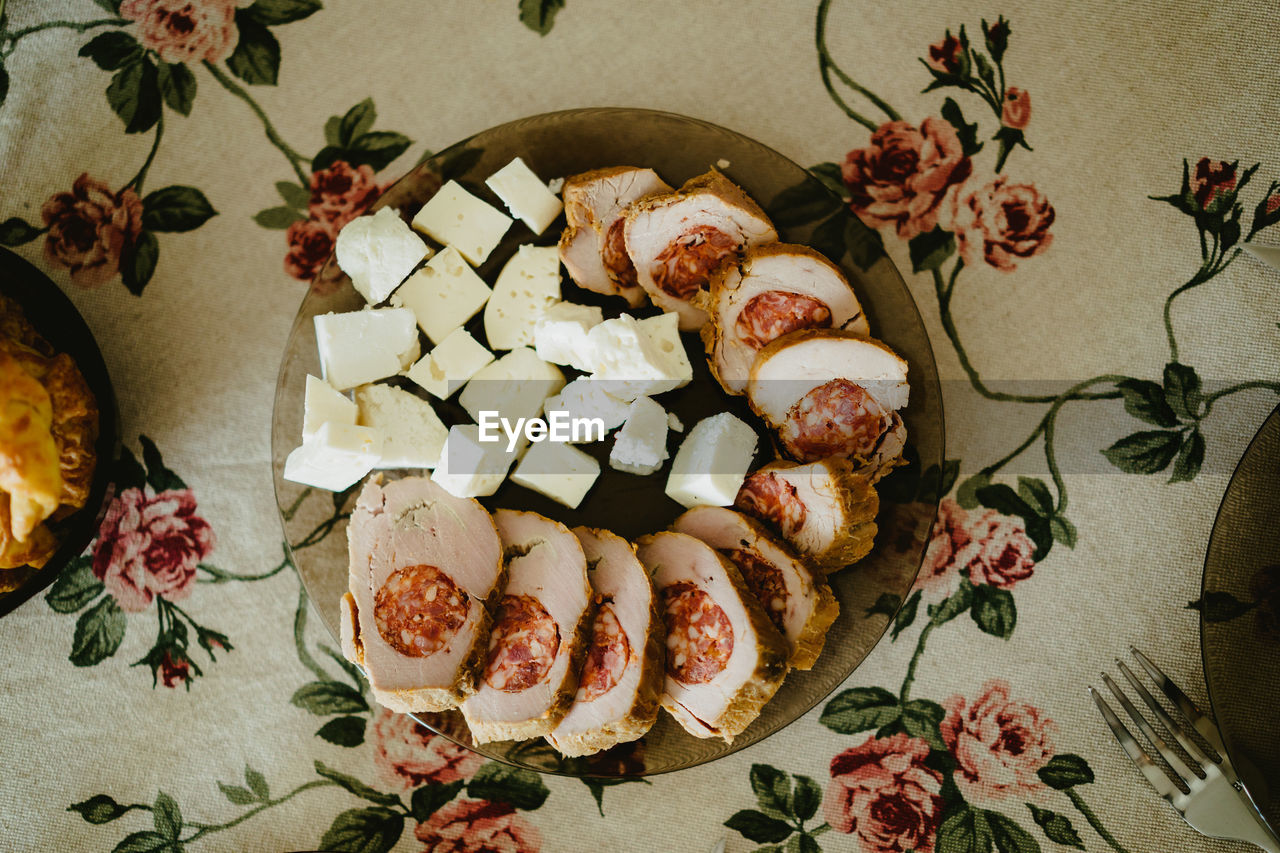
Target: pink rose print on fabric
x,y
944,56
882,792
185,30
409,754
998,743
478,826
1017,108
339,194
90,228
1001,223
994,548
149,545
1211,180
310,243
174,672
901,177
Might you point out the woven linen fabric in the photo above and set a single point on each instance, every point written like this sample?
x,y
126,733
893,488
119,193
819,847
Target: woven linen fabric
x,y
1054,176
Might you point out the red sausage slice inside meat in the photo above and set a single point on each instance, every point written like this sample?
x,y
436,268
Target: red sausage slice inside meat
x,y
523,644
607,656
686,264
772,499
770,315
419,609
837,418
699,634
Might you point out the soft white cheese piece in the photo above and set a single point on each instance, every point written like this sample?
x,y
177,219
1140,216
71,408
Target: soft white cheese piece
x,y
712,462
528,285
627,360
560,471
674,423
560,335
664,333
412,434
525,195
321,405
335,458
456,218
363,346
587,398
640,447
377,252
443,295
514,386
448,367
471,468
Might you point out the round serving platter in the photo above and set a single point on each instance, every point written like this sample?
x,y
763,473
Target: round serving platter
x,y
678,148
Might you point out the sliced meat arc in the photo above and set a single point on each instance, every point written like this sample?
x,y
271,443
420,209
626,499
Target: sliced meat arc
x,y
622,674
678,240
775,289
826,510
593,246
425,570
800,605
724,658
832,393
538,639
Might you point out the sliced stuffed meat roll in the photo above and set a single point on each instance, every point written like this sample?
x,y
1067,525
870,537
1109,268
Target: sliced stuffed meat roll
x,y
724,659
592,247
539,633
424,569
826,509
679,239
799,605
831,392
622,673
774,289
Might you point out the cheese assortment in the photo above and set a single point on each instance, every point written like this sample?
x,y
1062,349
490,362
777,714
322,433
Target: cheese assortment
x,y
450,364
412,434
525,195
359,347
457,218
528,285
443,295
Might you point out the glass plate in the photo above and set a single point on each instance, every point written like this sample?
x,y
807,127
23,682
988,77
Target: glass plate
x,y
565,143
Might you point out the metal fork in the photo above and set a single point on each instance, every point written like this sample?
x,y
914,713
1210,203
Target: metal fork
x,y
1210,796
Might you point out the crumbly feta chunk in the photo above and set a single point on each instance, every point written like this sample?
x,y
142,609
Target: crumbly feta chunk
x,y
640,447
712,462
560,335
560,471
335,458
587,398
525,195
448,367
412,434
443,295
528,285
322,404
626,358
363,346
456,218
471,468
514,386
377,252
664,333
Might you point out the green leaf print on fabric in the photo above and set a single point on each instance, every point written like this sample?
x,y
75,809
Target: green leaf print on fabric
x,y
860,709
428,798
370,830
329,697
15,231
355,786
540,15
256,59
134,94
274,12
99,632
74,588
1056,827
523,789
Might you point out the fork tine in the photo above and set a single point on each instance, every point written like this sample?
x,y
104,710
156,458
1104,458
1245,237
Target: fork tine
x,y
1175,763
1202,722
1193,749
1163,785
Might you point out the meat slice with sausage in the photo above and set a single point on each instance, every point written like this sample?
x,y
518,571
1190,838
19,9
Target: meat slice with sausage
x,y
799,604
539,632
724,658
826,510
832,392
621,676
425,568
592,247
678,240
775,289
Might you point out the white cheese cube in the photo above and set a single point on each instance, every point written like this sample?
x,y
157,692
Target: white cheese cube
x,y
528,285
525,195
625,358
412,434
322,405
377,252
443,295
456,218
514,386
664,333
712,462
587,398
363,346
560,471
471,468
640,447
448,367
560,335
335,458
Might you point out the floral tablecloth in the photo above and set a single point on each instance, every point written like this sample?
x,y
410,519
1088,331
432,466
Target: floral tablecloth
x,y
1065,189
